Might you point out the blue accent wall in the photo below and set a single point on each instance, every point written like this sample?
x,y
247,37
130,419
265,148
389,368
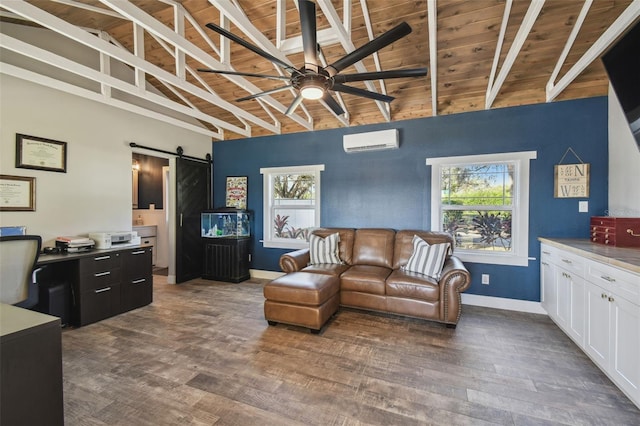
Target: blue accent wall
x,y
392,189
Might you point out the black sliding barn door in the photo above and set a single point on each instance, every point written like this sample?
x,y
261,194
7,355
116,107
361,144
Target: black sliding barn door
x,y
193,195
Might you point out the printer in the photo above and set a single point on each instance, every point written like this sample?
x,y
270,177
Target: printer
x,y
107,240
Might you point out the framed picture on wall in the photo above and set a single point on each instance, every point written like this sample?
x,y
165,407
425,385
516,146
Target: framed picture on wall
x,y
37,153
17,193
236,195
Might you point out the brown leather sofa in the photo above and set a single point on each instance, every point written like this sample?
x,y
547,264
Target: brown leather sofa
x,y
370,277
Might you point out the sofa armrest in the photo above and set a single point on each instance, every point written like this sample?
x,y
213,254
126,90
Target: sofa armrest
x,y
295,260
454,280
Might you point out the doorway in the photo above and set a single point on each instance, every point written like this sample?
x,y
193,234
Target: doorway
x,y
151,199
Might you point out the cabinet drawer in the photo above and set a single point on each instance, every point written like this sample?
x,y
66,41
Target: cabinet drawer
x,y
621,283
570,262
99,263
98,304
547,253
100,279
136,293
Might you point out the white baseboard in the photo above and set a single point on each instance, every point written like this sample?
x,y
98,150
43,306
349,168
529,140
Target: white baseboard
x,y
502,303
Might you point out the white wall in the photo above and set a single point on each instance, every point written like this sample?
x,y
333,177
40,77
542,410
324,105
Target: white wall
x,y
95,193
624,164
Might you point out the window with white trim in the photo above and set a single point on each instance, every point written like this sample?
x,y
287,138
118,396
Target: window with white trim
x,y
483,201
291,205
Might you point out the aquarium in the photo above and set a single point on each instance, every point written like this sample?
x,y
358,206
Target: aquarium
x,y
225,223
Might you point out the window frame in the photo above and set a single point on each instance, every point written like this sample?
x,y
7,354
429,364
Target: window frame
x,y
519,254
267,196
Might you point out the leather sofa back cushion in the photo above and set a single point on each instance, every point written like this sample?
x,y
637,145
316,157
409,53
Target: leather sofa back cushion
x,y
345,246
374,247
404,246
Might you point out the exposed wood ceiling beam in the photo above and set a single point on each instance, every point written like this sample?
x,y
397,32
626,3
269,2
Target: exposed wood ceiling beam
x,y
503,31
567,47
157,28
626,18
432,18
105,80
523,32
75,90
83,37
244,24
345,40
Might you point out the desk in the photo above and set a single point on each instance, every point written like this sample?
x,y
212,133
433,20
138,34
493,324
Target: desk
x,y
31,359
102,283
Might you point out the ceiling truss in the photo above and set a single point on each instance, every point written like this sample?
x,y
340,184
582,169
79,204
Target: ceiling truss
x,y
186,88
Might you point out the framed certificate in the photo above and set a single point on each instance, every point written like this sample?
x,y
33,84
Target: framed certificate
x,y
17,193
40,154
236,195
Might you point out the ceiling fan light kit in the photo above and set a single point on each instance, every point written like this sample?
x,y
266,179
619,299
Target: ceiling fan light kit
x,y
313,82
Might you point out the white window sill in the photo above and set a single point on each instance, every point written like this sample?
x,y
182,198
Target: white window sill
x,y
492,259
285,244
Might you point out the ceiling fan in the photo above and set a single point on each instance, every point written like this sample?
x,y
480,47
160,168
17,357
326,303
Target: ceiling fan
x,y
312,81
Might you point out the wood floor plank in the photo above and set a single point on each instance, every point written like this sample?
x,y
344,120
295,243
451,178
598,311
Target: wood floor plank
x,y
202,354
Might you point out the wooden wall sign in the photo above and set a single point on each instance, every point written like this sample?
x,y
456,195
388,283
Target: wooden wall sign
x,y
571,181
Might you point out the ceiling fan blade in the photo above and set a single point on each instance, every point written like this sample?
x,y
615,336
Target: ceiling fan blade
x,y
332,103
309,37
374,45
266,92
297,101
361,92
248,45
363,76
246,74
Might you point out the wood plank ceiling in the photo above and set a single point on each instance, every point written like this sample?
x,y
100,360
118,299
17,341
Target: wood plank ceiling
x,y
470,35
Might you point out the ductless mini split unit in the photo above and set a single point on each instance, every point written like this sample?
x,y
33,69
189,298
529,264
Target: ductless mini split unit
x,y
371,141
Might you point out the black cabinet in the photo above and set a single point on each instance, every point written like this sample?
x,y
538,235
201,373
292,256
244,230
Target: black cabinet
x,y
137,282
31,391
109,283
97,291
227,259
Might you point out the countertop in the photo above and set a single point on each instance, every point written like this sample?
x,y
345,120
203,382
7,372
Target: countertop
x,y
14,319
627,258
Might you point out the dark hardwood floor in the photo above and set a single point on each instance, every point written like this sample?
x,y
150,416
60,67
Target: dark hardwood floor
x,y
203,354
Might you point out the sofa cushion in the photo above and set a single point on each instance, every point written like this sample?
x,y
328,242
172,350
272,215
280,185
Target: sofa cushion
x,y
427,259
326,268
364,278
345,246
324,250
404,244
374,247
412,285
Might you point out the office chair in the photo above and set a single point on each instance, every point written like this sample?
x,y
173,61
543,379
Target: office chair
x,y
18,258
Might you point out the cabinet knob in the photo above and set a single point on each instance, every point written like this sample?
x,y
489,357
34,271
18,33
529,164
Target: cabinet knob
x,y
604,296
611,299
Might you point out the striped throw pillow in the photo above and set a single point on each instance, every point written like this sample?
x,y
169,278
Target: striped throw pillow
x,y
427,259
324,250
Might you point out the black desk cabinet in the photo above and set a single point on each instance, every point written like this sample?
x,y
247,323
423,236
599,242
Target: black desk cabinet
x,y
111,283
227,259
137,283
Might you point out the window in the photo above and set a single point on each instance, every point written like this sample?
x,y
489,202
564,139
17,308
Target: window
x,y
483,201
291,205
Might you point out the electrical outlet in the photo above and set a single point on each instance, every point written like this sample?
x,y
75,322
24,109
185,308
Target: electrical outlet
x,y
485,279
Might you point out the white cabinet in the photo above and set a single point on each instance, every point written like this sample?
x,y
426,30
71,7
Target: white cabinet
x,y
548,289
613,327
563,287
598,306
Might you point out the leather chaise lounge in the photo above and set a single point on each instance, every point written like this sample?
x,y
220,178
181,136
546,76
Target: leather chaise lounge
x,y
372,273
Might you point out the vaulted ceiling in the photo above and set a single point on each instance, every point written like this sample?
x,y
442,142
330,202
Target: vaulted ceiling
x,y
481,54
